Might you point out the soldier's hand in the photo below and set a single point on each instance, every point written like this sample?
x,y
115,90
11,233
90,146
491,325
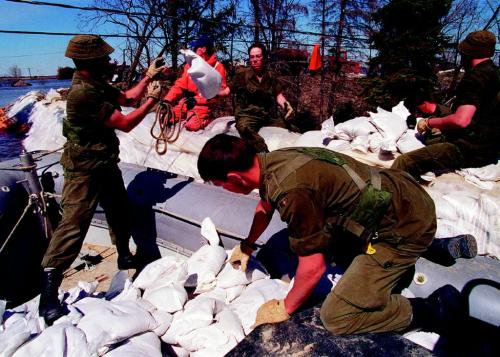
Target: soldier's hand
x,y
272,311
289,110
156,67
154,90
240,256
423,126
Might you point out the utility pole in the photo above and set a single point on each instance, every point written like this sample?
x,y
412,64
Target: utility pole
x,y
29,71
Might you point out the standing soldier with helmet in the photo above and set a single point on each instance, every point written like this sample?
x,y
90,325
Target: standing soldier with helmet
x,y
90,158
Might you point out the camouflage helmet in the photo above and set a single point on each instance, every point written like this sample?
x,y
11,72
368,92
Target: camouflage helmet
x,y
478,44
84,47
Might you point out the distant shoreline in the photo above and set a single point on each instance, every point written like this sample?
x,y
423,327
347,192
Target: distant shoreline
x,y
27,78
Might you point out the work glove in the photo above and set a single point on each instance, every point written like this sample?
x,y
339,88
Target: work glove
x,y
240,256
423,126
154,90
289,110
155,68
272,311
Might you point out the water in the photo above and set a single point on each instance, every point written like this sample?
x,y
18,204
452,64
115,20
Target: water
x,y
11,144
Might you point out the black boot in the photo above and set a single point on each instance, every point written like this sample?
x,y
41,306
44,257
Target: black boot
x,y
446,250
50,307
440,312
126,261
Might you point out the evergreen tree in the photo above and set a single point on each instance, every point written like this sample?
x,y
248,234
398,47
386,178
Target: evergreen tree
x,y
409,40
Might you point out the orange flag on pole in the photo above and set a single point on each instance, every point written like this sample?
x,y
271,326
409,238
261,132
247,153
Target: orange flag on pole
x,y
315,62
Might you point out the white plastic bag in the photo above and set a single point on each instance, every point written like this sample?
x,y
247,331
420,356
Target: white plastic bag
x,y
205,77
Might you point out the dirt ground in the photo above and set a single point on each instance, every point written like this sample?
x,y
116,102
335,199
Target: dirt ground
x,y
103,270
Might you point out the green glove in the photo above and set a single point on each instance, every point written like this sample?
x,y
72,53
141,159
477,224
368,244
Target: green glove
x,y
156,67
272,311
154,90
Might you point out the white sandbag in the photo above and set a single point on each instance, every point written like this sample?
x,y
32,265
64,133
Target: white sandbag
x,y
361,143
144,345
169,297
163,319
401,111
106,323
165,270
209,231
206,262
327,128
180,351
257,293
129,292
375,142
228,322
14,336
389,124
230,276
350,129
204,337
339,145
197,313
409,142
233,292
58,340
205,77
485,173
313,138
278,138
220,297
82,290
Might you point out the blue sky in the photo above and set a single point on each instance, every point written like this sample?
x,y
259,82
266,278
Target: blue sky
x,y
43,54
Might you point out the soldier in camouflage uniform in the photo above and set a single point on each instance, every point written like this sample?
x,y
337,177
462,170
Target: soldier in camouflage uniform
x,y
256,93
471,132
327,198
90,158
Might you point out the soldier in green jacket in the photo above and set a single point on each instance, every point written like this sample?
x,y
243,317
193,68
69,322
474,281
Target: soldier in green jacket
x,y
472,130
90,158
256,92
327,198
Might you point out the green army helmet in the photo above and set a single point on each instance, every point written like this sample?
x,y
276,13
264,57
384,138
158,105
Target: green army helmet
x,y
85,47
478,44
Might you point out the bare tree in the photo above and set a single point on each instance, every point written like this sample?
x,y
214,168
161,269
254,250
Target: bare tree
x,y
15,71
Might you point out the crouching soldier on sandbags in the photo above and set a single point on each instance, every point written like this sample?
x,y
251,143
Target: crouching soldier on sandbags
x,y
470,133
327,198
90,158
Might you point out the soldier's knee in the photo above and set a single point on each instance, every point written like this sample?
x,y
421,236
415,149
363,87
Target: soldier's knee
x,y
401,163
332,316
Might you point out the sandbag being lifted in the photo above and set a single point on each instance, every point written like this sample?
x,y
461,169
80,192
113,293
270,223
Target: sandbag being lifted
x,y
204,76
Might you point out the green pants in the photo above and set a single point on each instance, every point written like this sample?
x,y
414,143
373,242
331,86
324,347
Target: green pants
x,y
363,300
249,125
82,192
435,157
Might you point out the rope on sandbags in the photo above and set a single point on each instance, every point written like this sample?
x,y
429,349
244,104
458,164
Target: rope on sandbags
x,y
169,126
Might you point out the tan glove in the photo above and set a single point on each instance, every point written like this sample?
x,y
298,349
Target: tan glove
x,y
423,126
240,256
289,110
154,90
272,311
155,68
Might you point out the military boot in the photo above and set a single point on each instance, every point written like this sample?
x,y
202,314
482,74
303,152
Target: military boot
x,y
126,261
446,250
50,307
441,312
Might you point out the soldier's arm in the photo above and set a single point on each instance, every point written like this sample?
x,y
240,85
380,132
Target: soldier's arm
x,y
132,96
262,216
307,276
303,210
127,122
458,120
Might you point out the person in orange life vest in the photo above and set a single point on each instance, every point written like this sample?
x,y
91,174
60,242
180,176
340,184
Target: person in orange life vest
x,y
198,113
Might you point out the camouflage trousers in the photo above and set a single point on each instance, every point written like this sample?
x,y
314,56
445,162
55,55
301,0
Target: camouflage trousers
x,y
248,127
82,192
364,300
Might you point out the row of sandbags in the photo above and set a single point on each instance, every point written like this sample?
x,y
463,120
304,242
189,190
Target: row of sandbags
x,y
133,318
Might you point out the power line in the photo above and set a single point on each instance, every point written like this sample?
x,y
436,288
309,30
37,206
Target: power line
x,y
135,13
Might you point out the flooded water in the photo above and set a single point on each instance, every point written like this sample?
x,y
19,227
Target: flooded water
x,y
11,144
